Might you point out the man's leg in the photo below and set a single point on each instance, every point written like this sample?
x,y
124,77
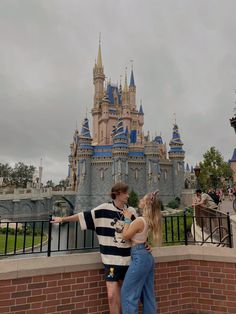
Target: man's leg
x,y
113,293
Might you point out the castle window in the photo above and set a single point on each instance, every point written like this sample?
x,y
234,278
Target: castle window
x,y
165,174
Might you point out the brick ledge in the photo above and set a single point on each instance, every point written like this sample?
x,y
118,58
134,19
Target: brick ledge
x,y
35,266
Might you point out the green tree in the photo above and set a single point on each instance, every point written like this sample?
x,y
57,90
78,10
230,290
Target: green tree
x,y
21,174
64,183
213,169
5,171
50,184
133,199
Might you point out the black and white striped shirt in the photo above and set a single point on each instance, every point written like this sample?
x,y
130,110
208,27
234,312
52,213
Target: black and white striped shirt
x,y
108,222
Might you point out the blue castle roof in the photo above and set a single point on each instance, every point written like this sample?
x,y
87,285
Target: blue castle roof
x,y
133,136
119,135
234,156
111,89
176,143
132,84
85,132
136,154
141,109
158,139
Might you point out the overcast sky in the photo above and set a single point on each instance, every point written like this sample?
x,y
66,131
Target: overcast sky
x,y
184,57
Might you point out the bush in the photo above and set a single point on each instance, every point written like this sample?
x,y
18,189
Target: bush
x,y
173,204
133,199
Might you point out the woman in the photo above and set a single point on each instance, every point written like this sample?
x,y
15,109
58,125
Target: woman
x,y
139,279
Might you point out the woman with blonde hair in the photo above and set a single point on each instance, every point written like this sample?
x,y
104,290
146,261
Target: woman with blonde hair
x,y
139,279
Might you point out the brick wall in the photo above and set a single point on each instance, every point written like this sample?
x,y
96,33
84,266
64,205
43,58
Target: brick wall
x,y
187,286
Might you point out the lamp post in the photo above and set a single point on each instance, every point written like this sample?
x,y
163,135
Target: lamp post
x,y
197,171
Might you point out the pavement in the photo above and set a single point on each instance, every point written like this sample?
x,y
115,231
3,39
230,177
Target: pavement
x,y
227,206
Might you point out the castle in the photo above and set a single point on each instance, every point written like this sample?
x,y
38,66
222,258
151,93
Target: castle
x,y
118,149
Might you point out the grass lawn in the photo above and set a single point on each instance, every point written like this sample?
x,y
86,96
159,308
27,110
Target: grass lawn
x,y
173,229
19,243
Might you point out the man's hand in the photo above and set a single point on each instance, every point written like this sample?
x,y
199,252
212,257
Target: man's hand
x,y
56,220
148,247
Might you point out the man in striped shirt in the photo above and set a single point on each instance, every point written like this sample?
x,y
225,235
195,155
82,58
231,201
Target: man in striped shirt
x,y
107,220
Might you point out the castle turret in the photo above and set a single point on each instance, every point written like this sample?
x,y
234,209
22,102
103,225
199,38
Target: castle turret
x,y
98,78
125,93
141,116
103,136
73,161
120,153
176,151
176,155
98,81
132,91
85,152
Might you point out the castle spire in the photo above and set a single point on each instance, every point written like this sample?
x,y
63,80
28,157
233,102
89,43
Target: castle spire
x,y
126,85
132,83
99,59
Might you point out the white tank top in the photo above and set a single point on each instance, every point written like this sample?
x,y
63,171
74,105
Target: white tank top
x,y
141,237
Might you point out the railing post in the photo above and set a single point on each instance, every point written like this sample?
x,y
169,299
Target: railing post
x,y
185,229
49,235
229,230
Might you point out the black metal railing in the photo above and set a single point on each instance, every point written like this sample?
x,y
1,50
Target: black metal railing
x,y
42,237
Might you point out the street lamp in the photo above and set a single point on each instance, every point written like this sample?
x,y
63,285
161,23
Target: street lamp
x,y
197,171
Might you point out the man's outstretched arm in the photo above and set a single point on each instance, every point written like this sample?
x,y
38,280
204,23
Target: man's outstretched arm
x,y
56,220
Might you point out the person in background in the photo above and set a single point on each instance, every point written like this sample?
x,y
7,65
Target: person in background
x,y
204,200
230,193
139,279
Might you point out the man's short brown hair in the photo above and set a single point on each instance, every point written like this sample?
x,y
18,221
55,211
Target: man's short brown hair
x,y
119,188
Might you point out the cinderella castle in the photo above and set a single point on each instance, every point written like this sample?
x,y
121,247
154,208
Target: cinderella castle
x,y
118,150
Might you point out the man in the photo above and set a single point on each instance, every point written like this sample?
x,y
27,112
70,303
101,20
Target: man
x,y
204,200
108,222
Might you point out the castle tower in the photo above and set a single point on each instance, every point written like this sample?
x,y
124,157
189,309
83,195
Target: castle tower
x,y
98,81
120,153
132,91
84,153
103,131
72,158
125,93
177,155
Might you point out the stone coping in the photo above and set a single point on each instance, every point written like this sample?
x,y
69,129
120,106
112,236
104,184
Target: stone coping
x,y
43,265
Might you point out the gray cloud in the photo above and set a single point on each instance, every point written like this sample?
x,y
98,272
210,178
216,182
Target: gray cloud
x,y
184,63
